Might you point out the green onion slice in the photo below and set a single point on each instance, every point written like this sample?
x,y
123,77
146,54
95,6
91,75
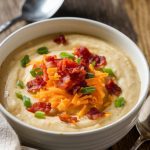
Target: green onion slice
x,y
20,84
25,60
109,71
42,50
27,101
19,95
88,90
90,75
66,55
36,72
39,114
78,60
120,102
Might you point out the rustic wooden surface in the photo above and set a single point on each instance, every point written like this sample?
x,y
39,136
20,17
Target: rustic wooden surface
x,y
129,16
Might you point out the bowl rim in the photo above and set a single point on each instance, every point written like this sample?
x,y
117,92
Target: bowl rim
x,y
120,120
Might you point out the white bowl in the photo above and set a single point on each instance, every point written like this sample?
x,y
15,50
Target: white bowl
x,y
89,140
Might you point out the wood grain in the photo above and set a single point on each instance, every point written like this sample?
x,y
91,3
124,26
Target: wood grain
x,y
110,12
129,16
139,12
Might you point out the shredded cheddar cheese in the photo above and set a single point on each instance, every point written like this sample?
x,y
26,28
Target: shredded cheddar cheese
x,y
73,88
62,100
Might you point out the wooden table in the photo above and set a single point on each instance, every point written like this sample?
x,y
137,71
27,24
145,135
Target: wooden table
x,y
129,16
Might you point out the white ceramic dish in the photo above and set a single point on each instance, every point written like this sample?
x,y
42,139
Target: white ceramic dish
x,y
89,140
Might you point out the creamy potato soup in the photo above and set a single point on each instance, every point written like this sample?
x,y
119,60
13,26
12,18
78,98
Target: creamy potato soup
x,y
68,83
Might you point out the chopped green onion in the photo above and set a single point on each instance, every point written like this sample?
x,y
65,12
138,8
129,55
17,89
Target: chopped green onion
x,y
88,90
93,63
90,75
42,50
120,102
20,84
40,73
27,101
109,71
40,114
25,60
33,73
19,95
78,60
66,55
36,71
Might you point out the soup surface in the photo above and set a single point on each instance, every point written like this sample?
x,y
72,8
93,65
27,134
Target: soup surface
x,y
68,83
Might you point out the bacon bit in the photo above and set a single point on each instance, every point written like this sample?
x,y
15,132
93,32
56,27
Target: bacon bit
x,y
60,39
64,82
40,106
113,88
67,118
83,53
35,84
88,57
94,113
99,60
71,74
65,66
50,58
77,87
51,61
44,70
45,75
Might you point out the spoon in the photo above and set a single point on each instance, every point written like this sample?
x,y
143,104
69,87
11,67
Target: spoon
x,y
143,125
35,10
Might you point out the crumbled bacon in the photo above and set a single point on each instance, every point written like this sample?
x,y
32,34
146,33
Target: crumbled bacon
x,y
99,60
94,113
51,61
88,57
77,87
50,58
60,39
113,88
67,118
83,53
64,82
71,74
43,67
66,66
35,84
40,106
